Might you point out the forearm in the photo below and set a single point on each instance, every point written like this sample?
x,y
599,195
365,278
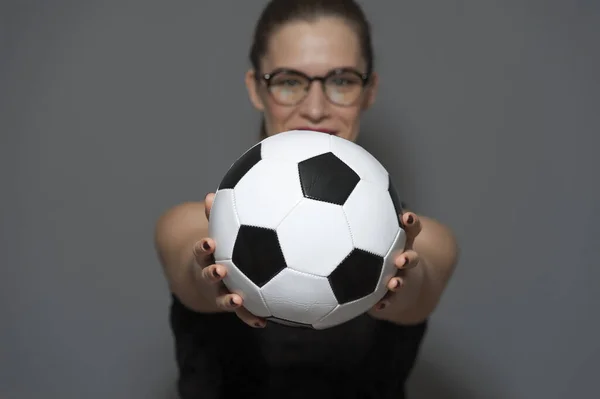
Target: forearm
x,y
177,231
423,285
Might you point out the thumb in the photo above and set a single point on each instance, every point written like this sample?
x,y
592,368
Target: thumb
x,y
208,202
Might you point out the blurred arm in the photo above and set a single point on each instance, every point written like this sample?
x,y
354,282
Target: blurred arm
x,y
424,285
176,233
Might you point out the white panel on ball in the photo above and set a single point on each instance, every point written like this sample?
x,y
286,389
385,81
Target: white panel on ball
x,y
374,227
315,237
267,193
237,283
295,145
224,232
396,249
348,311
299,297
359,159
389,266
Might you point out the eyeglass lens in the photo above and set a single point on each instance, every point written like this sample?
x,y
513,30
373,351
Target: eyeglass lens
x,y
342,88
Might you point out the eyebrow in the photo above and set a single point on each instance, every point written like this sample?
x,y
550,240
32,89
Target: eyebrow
x,y
289,68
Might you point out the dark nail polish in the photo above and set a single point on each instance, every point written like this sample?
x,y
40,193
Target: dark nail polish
x,y
231,302
381,306
257,325
216,273
410,219
205,246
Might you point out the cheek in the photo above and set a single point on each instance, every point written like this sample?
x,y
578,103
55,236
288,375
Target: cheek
x,y
277,115
350,119
350,116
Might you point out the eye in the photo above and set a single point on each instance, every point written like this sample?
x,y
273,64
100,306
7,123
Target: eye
x,y
344,80
290,82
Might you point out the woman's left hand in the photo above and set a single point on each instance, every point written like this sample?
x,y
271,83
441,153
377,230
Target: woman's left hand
x,y
404,261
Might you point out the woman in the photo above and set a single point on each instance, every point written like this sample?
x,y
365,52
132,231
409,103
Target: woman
x,y
312,68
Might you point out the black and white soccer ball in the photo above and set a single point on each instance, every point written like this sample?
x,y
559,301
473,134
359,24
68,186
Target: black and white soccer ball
x,y
307,225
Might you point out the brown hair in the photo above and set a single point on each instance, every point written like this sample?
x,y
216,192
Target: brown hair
x,y
280,12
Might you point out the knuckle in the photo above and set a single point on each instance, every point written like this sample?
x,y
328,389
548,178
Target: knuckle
x,y
204,274
222,303
197,253
230,302
209,274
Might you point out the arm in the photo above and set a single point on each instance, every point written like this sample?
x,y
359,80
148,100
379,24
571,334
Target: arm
x,y
424,284
177,232
188,267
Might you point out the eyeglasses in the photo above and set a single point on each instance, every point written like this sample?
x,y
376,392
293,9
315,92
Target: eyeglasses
x,y
341,86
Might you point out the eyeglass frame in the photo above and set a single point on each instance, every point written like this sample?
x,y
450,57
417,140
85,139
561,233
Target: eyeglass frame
x,y
364,79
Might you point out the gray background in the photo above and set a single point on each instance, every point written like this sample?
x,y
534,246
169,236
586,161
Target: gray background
x,y
112,112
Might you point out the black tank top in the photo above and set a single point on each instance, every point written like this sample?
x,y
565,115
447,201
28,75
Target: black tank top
x,y
220,357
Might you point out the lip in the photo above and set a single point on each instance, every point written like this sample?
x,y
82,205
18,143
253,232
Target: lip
x,y
318,129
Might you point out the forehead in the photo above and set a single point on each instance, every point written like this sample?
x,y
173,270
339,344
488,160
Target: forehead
x,y
314,47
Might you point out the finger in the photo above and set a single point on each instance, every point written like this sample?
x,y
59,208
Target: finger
x,y
213,273
208,202
381,305
203,251
229,302
233,302
384,302
250,319
407,260
395,284
412,225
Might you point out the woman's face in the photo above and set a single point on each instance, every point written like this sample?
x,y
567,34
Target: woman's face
x,y
314,49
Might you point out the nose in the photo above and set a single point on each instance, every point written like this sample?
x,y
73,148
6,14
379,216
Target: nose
x,y
314,106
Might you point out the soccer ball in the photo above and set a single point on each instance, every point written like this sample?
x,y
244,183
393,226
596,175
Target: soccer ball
x,y
307,225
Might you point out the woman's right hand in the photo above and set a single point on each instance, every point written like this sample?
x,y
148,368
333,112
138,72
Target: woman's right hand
x,y
210,274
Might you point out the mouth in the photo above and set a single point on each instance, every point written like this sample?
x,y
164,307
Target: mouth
x,y
321,130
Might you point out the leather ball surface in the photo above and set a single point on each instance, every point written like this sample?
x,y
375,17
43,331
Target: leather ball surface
x,y
307,225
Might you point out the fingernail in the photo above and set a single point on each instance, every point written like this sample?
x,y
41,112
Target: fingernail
x,y
232,302
410,219
258,325
205,246
216,273
381,306
395,284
